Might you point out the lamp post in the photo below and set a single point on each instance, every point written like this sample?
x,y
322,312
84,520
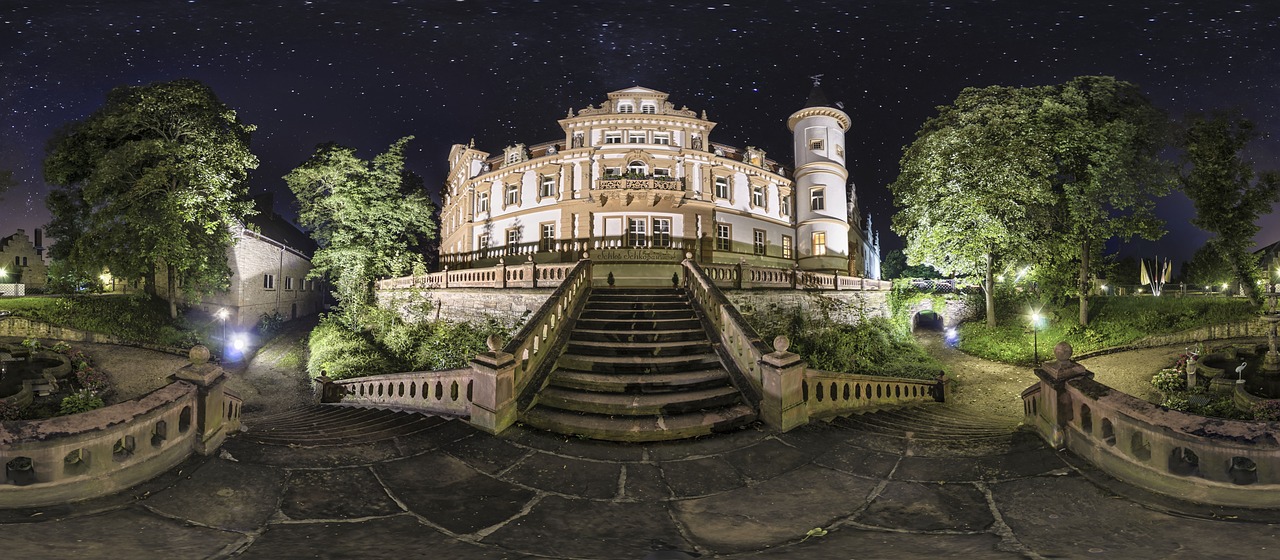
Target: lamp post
x,y
1035,332
222,316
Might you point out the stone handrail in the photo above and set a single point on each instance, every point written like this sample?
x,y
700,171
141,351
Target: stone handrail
x,y
91,454
1220,462
672,184
744,277
740,341
446,392
524,275
830,394
534,344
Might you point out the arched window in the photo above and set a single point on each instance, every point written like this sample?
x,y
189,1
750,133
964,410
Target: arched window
x,y
626,108
637,167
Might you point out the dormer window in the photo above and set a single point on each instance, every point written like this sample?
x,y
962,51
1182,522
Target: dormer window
x,y
626,108
648,108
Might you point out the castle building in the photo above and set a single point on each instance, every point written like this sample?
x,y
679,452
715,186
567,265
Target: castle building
x,y
638,184
23,261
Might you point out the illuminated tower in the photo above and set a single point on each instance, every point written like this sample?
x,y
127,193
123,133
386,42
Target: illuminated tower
x,y
822,226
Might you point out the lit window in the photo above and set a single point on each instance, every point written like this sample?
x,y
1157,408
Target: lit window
x,y
661,232
786,205
663,138
636,232
637,168
626,108
482,202
269,281
722,237
548,237
635,137
786,246
817,199
757,241
548,186
648,108
819,243
514,157
722,187
816,145
513,194
612,137
757,196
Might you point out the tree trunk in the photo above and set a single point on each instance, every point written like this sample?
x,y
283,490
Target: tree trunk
x,y
1246,283
149,281
173,294
1084,283
989,286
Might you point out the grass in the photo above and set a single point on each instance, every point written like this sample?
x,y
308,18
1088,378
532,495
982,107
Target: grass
x,y
1114,321
131,318
874,346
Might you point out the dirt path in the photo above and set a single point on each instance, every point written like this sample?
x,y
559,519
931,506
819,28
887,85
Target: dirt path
x,y
275,378
991,388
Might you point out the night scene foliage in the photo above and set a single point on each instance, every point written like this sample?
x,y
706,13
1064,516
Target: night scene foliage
x,y
370,219
1228,194
153,180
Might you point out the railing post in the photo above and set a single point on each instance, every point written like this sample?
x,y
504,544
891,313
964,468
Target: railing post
x,y
527,270
493,400
326,391
444,282
210,396
500,279
740,268
1057,409
782,405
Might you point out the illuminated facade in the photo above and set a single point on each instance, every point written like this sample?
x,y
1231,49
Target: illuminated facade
x,y
638,181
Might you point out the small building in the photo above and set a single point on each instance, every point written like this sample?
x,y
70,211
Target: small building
x,y
23,261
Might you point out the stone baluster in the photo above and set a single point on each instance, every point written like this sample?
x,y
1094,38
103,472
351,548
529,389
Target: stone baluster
x,y
782,404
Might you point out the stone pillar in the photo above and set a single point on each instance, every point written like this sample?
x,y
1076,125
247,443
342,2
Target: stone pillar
x,y
1057,410
493,399
500,276
744,275
326,391
209,380
782,405
527,271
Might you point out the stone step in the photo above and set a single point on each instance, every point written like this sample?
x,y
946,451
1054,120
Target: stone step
x,y
638,404
887,425
642,428
947,417
641,315
672,335
638,364
596,305
653,349
402,429
381,424
373,420
637,325
309,417
639,382
639,293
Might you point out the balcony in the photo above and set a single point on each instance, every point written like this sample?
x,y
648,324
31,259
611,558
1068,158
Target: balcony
x,y
620,183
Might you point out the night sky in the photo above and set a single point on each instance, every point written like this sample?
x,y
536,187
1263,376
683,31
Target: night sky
x,y
365,73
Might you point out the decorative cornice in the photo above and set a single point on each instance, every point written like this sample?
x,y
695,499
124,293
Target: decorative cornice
x,y
836,114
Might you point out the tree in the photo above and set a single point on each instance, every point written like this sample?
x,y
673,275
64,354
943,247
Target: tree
x,y
1207,267
156,177
895,265
1228,195
969,184
369,218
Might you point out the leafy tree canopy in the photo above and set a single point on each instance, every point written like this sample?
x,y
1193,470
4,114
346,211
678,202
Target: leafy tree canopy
x,y
156,177
895,265
370,219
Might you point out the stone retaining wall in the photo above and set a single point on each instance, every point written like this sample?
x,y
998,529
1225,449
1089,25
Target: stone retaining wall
x,y
27,328
507,306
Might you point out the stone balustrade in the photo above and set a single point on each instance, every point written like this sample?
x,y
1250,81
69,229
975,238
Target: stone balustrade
x,y
91,454
827,394
1208,460
527,274
743,276
446,393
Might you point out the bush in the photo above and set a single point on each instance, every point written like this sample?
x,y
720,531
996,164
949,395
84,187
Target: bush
x,y
872,347
80,401
135,317
1169,380
92,380
270,325
10,411
340,353
1266,411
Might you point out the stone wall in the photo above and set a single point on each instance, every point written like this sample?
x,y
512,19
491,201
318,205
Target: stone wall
x,y
843,306
507,306
26,328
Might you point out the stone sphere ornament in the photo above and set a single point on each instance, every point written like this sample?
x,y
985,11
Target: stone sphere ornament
x,y
1062,351
781,343
199,354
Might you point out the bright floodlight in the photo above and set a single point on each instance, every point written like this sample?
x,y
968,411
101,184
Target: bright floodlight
x,y
3,273
239,342
223,314
1224,286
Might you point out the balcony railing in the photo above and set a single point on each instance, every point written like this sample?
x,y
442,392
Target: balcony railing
x,y
671,184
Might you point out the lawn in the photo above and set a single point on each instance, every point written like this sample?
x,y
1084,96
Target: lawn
x,y
129,317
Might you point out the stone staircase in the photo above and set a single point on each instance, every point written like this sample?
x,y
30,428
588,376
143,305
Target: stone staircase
x,y
639,366
333,425
939,430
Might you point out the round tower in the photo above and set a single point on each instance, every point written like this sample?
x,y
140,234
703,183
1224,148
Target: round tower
x,y
822,224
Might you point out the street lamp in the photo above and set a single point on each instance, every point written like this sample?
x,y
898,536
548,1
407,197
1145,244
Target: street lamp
x,y
1035,332
222,315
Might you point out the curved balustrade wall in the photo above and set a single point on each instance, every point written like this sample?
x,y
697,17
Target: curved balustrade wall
x,y
828,394
445,392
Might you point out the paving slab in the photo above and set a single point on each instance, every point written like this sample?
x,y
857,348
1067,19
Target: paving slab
x,y
705,446
602,450
224,494
914,506
858,461
771,514
1066,516
335,494
127,533
847,543
569,528
699,477
401,536
964,469
450,493
566,475
486,453
644,483
766,459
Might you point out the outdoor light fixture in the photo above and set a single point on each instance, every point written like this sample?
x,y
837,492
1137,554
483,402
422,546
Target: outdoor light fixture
x,y
1225,286
239,342
4,273
1000,278
222,315
1035,332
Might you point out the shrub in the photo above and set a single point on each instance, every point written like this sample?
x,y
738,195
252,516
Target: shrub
x,y
873,346
341,353
269,325
1177,401
61,347
1169,380
92,380
10,411
1266,411
80,401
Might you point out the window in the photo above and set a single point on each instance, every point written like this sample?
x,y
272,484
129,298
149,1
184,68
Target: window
x,y
637,168
757,196
648,108
819,243
817,199
513,194
636,236
839,150
786,205
513,239
548,186
548,239
482,202
626,108
661,172
513,157
269,281
722,187
483,242
612,137
635,137
288,282
722,237
757,241
816,145
786,246
663,138
661,232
